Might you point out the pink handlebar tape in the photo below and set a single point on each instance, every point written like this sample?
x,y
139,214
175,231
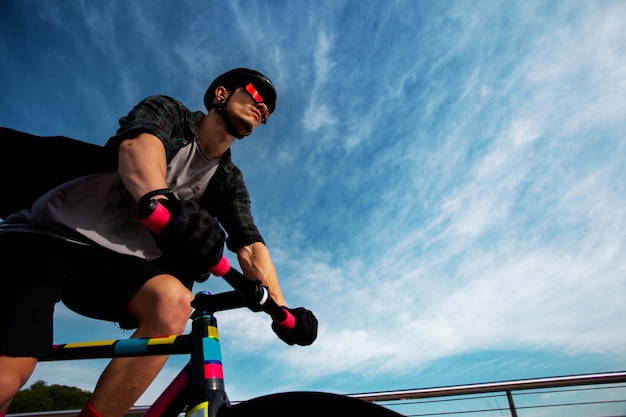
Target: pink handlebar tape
x,y
158,219
222,267
289,322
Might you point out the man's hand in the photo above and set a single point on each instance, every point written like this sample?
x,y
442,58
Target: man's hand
x,y
305,330
192,236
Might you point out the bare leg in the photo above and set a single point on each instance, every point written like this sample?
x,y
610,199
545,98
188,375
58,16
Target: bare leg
x,y
14,374
162,306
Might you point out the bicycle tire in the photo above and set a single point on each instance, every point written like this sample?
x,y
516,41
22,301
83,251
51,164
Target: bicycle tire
x,y
305,403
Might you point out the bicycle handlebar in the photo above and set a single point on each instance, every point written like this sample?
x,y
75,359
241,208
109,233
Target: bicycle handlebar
x,y
155,217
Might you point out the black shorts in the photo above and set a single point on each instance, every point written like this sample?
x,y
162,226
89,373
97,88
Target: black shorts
x,y
39,270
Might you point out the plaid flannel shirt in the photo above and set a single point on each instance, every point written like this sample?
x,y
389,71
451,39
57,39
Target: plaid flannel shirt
x,y
226,196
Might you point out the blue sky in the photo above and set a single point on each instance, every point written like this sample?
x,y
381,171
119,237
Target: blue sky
x,y
442,182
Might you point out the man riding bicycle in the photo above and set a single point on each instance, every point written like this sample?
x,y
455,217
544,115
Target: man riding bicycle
x,y
81,242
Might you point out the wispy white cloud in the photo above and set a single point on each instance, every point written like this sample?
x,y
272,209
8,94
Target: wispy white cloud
x,y
318,112
503,269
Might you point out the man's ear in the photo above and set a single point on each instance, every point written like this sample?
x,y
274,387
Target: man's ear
x,y
221,93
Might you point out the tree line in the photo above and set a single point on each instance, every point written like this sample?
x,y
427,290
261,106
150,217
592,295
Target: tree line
x,y
42,397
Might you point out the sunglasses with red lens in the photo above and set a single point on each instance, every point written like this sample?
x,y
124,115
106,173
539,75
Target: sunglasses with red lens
x,y
256,96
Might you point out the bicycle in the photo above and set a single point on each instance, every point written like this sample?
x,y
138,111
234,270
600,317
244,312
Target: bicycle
x,y
199,389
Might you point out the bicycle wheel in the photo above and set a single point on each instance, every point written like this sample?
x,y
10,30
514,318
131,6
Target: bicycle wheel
x,y
301,403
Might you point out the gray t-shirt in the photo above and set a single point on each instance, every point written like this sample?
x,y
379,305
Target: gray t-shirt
x,y
97,209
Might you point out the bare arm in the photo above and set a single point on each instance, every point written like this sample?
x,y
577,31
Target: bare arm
x,y
256,263
142,164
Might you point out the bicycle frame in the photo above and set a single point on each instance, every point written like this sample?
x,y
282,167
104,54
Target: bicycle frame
x,y
199,388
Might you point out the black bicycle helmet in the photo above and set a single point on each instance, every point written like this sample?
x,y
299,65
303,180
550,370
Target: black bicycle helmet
x,y
240,77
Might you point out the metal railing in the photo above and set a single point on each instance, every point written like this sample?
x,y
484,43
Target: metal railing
x,y
589,395
600,395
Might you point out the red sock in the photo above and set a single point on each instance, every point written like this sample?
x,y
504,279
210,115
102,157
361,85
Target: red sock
x,y
89,411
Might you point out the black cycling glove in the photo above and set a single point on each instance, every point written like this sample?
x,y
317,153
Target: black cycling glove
x,y
303,333
192,236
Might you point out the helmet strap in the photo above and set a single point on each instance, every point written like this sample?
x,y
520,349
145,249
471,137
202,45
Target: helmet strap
x,y
220,108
